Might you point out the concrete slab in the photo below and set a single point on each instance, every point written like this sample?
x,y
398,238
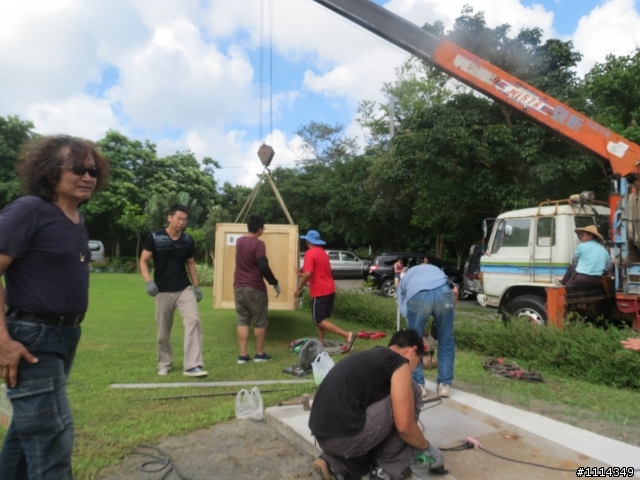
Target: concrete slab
x,y
502,430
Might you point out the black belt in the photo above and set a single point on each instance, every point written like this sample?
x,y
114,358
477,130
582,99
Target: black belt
x,y
57,320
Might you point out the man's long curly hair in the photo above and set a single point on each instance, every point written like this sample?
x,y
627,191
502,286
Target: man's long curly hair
x,y
41,160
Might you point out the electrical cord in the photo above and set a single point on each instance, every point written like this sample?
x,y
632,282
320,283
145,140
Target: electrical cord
x,y
436,399
469,446
160,461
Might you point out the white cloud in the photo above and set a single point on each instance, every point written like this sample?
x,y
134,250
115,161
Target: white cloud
x,y
496,12
236,153
47,52
189,66
80,115
354,63
178,80
611,28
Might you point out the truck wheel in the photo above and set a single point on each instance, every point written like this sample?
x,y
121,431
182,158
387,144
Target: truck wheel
x,y
388,287
529,306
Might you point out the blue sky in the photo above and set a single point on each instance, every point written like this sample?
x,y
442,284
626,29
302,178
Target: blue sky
x,y
184,74
566,12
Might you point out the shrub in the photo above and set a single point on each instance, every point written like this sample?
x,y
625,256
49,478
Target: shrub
x,y
205,274
580,351
370,310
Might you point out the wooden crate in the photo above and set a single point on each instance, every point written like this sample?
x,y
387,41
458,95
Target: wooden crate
x,y
281,242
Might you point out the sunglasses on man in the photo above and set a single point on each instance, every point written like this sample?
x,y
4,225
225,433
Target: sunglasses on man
x,y
80,170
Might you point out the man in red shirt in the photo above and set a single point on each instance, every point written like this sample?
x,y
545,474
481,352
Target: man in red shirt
x,y
317,272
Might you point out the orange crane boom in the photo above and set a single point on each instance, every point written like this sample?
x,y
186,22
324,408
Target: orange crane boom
x,y
620,154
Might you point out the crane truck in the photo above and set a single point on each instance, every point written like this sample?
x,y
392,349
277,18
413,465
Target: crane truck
x,y
528,250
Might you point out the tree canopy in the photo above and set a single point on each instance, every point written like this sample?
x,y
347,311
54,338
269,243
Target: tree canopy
x,y
456,157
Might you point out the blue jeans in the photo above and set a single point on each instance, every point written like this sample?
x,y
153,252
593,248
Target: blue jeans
x,y
439,303
39,442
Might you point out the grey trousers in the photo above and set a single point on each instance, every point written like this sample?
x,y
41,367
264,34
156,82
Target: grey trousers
x,y
378,444
166,305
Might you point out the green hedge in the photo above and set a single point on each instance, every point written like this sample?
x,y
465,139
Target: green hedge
x,y
205,274
580,351
372,311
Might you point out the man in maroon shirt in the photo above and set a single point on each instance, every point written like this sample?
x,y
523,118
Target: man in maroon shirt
x,y
250,291
317,272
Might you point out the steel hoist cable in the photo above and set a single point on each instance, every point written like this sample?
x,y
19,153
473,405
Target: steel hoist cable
x,y
262,66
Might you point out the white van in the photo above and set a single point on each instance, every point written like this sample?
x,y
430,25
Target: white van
x,y
97,251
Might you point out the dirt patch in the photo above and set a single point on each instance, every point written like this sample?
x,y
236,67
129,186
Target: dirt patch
x,y
245,450
241,450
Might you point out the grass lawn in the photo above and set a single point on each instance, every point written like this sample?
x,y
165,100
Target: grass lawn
x,y
118,346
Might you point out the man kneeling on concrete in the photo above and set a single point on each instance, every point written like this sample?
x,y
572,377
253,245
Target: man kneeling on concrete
x,y
364,414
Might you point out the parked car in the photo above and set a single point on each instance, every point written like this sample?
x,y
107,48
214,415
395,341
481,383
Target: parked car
x,y
344,264
472,284
97,251
381,270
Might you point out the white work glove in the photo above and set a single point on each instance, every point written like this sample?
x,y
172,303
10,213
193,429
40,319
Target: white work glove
x,y
277,289
198,293
152,288
435,453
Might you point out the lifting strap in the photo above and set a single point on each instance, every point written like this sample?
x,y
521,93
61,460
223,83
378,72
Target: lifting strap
x,y
254,194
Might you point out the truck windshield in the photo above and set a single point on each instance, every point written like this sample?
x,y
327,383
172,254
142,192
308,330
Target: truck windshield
x,y
512,233
601,223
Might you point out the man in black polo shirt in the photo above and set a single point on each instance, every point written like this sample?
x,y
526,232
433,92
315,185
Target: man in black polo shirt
x,y
364,414
44,256
172,250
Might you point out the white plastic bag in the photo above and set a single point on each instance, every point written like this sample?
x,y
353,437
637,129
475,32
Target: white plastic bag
x,y
249,405
321,366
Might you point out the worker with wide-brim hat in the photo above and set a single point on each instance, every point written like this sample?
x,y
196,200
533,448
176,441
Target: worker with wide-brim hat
x,y
590,261
591,229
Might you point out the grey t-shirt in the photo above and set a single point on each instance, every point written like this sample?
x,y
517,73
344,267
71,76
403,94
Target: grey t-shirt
x,y
50,271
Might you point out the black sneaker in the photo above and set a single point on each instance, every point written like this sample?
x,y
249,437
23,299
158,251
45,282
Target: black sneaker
x,y
242,359
379,474
261,357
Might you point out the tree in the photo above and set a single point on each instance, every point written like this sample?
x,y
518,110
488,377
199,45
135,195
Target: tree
x,y
216,215
13,133
139,177
131,163
417,86
324,143
613,87
233,198
459,157
135,220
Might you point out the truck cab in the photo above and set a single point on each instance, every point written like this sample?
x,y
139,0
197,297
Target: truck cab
x,y
529,250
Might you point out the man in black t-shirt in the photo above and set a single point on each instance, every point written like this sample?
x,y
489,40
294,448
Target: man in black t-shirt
x,y
364,414
172,250
44,256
